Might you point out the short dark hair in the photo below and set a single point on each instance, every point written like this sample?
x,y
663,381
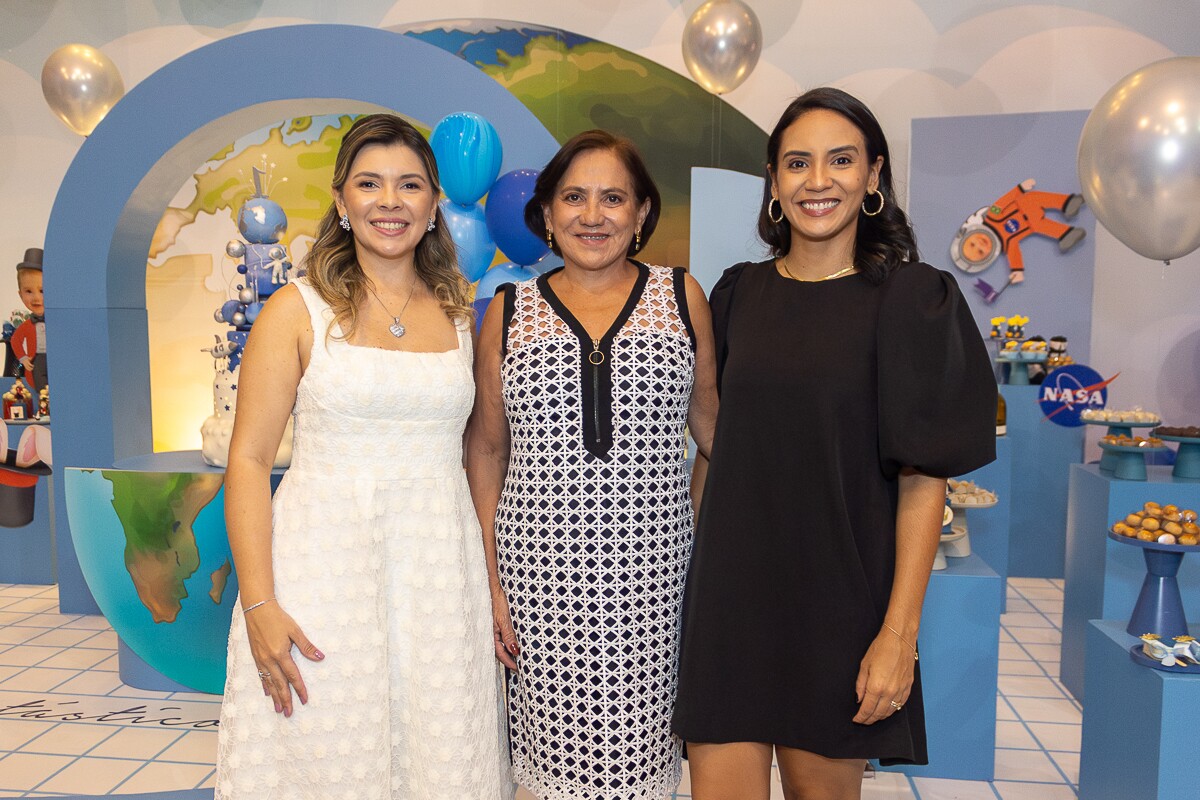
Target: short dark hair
x,y
884,241
552,174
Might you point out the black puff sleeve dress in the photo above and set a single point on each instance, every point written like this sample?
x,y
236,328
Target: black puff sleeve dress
x,y
827,390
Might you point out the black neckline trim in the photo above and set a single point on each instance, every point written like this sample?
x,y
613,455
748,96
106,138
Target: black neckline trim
x,y
595,380
564,313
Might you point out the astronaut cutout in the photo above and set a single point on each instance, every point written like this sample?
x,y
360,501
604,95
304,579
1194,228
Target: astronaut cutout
x,y
1000,227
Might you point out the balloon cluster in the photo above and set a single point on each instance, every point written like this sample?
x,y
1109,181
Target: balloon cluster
x,y
1139,159
469,154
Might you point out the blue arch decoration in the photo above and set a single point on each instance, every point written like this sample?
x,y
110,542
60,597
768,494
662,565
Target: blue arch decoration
x,y
127,171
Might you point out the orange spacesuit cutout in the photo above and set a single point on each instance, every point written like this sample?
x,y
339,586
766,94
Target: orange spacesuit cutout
x,y
1021,212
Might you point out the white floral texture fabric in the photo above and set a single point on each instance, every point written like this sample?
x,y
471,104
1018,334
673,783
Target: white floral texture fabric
x,y
378,557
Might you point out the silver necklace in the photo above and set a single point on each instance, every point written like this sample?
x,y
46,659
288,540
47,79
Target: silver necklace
x,y
396,329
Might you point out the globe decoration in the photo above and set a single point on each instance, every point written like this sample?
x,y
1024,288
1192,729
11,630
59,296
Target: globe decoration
x,y
261,220
154,551
468,153
505,212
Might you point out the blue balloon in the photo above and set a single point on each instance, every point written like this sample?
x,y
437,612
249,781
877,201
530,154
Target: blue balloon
x,y
506,217
252,312
480,307
468,229
507,272
468,153
549,262
229,308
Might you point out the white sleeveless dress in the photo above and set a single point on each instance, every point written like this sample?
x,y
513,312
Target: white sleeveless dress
x,y
378,557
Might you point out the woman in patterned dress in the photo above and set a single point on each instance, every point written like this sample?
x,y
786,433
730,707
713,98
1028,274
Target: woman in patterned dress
x,y
586,378
370,548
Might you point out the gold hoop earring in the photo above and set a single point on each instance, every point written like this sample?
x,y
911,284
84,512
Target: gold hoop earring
x,y
549,238
775,200
876,211
637,240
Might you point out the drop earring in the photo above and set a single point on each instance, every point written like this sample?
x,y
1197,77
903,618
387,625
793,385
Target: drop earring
x,y
345,222
432,224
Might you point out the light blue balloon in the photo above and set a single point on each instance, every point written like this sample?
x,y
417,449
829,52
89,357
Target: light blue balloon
x,y
546,263
468,227
468,153
507,272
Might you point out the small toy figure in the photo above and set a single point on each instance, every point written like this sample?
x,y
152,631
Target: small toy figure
x,y
17,402
1016,327
997,327
28,341
1000,227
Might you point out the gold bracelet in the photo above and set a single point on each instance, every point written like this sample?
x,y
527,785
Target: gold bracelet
x,y
916,657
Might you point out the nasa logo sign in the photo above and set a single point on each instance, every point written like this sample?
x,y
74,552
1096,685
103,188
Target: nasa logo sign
x,y
1068,391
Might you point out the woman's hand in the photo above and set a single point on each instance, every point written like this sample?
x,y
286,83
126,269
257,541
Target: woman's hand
x,y
272,633
502,628
885,678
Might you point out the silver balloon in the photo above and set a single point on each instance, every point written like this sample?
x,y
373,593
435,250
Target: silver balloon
x,y
235,249
1139,159
80,85
239,318
247,296
218,315
721,44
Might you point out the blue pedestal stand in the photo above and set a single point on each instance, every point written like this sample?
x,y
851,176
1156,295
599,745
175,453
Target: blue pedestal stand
x,y
1042,452
1132,740
990,528
960,651
1104,578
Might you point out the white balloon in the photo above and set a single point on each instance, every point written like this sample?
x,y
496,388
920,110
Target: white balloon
x,y
1139,159
80,85
721,44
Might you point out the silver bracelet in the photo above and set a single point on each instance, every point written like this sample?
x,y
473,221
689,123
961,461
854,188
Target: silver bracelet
x,y
256,605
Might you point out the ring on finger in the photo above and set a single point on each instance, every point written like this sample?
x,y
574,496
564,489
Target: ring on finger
x,y
896,705
263,674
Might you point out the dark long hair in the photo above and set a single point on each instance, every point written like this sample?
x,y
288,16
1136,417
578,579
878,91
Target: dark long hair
x,y
884,241
332,264
625,151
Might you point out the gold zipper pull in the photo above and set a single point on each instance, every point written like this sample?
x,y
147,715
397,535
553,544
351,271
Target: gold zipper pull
x,y
596,357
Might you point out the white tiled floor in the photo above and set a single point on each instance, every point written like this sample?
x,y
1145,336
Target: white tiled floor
x,y
67,665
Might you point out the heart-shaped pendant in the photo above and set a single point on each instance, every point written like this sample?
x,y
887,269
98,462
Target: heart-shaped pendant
x,y
396,329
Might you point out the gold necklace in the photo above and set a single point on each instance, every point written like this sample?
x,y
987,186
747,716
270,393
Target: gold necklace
x,y
787,268
396,329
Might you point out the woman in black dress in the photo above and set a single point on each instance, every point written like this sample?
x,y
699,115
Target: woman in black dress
x,y
852,381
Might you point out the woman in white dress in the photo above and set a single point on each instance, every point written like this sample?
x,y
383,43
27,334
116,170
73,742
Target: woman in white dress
x,y
368,561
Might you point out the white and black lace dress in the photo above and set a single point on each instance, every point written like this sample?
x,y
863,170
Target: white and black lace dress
x,y
593,535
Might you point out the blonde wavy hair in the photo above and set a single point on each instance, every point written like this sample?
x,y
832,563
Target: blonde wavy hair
x,y
332,264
